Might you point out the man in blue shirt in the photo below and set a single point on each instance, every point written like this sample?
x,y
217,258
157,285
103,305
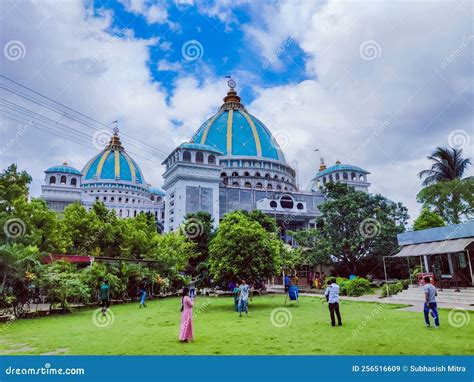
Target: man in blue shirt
x,y
430,302
332,297
287,283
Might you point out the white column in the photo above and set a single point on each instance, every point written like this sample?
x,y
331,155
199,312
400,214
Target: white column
x,y
425,258
470,267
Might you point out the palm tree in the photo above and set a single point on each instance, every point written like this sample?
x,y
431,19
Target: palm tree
x,y
447,165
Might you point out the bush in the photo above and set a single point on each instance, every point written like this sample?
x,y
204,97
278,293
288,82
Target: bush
x,y
355,287
391,289
406,283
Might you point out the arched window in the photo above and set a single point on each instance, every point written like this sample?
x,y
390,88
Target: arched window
x,y
246,173
135,213
269,186
361,177
223,174
158,199
300,206
186,157
211,159
63,179
112,199
353,176
257,174
273,204
104,198
52,180
74,182
248,185
267,175
286,202
235,184
275,177
120,213
324,180
337,176
278,187
235,174
345,176
330,177
259,185
199,157
283,178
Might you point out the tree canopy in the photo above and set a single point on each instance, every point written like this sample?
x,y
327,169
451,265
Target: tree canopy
x,y
428,219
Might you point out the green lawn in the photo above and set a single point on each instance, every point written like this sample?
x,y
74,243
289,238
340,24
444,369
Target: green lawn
x,y
368,329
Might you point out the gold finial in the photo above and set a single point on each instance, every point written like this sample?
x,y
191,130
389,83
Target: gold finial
x,y
65,163
322,166
338,162
231,100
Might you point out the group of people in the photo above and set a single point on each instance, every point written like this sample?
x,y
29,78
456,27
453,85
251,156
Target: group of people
x,y
241,294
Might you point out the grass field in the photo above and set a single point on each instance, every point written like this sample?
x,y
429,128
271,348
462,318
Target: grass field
x,y
368,329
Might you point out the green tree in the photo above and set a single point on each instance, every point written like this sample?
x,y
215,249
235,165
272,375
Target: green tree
x,y
453,200
242,248
428,219
355,226
309,245
13,185
447,165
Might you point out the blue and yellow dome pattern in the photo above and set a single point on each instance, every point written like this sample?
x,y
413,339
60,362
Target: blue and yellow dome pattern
x,y
113,163
235,132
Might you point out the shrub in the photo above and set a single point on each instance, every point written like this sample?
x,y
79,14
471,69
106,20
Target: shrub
x,y
391,289
355,287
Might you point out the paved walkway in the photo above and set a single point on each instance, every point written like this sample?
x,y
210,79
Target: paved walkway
x,y
414,305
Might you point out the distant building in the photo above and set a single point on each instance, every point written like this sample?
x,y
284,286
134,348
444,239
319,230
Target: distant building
x,y
232,162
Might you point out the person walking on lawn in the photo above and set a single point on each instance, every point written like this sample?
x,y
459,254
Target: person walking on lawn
x,y
104,294
430,303
332,297
244,291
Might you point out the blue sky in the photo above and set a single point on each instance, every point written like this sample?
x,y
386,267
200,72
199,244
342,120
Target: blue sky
x,y
376,84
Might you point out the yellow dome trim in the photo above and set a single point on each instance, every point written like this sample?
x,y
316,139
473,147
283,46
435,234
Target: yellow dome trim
x,y
208,127
229,131
101,163
117,164
255,133
132,167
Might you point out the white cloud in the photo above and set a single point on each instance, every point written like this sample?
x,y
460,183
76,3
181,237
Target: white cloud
x,y
384,113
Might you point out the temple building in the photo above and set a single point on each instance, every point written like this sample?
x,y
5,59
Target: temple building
x,y
232,162
111,177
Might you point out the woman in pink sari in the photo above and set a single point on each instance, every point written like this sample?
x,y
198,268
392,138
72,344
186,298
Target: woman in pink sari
x,y
186,329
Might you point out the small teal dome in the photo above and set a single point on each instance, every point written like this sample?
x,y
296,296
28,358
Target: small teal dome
x,y
64,169
235,132
156,191
113,163
340,167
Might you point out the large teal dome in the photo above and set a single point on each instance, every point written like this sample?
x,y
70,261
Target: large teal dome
x,y
113,163
235,132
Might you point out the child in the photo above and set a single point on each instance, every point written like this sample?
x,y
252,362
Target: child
x,y
143,297
104,296
332,297
430,303
236,297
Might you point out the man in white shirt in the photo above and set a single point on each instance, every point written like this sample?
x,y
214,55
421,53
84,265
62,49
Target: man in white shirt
x,y
430,302
244,290
332,297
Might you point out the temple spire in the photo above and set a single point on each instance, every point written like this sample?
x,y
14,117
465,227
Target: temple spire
x,y
231,100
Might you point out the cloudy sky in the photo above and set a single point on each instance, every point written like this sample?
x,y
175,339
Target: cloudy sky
x,y
374,84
